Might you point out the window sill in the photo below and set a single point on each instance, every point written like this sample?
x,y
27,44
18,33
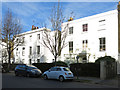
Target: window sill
x,y
101,29
84,32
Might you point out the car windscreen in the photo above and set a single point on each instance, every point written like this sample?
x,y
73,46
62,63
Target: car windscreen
x,y
32,67
66,69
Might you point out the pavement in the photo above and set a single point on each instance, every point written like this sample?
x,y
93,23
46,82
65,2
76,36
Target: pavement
x,y
115,82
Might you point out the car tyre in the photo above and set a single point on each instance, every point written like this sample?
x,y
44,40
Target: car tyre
x,y
61,78
16,74
27,75
45,77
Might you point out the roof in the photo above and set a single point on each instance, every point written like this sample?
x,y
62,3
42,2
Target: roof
x,y
93,16
33,31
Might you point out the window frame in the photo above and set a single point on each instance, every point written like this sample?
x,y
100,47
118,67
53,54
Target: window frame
x,y
38,36
23,51
38,49
85,27
102,44
85,44
70,30
71,46
30,50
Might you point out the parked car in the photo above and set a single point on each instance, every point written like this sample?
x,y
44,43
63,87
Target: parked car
x,y
27,70
60,73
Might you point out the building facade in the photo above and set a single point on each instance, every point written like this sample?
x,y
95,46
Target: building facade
x,y
31,50
92,37
89,38
3,53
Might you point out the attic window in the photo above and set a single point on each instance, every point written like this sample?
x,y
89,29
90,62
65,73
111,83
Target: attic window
x,y
102,20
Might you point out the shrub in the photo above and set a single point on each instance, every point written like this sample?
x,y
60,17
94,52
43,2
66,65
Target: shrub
x,y
45,66
108,59
60,63
11,68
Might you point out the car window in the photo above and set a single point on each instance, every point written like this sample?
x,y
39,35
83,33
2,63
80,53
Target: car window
x,y
66,69
32,68
53,69
58,69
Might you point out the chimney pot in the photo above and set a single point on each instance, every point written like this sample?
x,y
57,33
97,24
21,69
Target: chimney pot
x,y
119,3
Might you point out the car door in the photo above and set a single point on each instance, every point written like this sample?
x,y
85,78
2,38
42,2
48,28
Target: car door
x,y
58,72
51,73
23,69
18,69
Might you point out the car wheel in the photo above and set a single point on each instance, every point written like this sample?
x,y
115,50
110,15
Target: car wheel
x,y
45,77
16,74
61,78
27,75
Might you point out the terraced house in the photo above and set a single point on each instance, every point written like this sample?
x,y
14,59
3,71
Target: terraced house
x,y
31,50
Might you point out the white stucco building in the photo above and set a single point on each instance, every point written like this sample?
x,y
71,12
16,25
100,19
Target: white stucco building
x,y
31,50
92,37
3,52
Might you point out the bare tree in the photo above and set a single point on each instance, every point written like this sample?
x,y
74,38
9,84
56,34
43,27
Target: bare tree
x,y
55,40
10,27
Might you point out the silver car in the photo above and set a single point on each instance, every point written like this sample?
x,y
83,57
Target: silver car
x,y
60,73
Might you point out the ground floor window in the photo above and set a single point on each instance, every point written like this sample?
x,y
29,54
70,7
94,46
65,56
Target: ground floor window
x,y
38,60
30,61
71,47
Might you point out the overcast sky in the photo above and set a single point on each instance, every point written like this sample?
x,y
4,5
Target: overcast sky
x,y
35,13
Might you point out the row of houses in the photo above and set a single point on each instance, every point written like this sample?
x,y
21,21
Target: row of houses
x,y
90,38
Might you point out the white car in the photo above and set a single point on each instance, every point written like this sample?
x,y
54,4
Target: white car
x,y
60,73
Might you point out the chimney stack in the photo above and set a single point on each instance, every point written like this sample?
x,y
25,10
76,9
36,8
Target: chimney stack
x,y
71,19
33,27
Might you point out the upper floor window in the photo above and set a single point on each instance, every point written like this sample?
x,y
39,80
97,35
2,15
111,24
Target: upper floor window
x,y
71,30
85,27
30,37
71,47
16,51
30,50
17,40
102,46
23,51
38,49
38,36
102,20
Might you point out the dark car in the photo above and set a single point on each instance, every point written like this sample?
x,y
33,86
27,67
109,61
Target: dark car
x,y
27,70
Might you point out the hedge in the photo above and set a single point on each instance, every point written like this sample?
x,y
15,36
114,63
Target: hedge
x,y
108,59
45,66
11,68
85,69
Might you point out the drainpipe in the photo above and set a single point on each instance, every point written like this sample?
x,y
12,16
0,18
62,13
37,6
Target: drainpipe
x,y
118,62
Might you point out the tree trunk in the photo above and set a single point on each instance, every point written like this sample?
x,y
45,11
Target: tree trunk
x,y
9,59
55,60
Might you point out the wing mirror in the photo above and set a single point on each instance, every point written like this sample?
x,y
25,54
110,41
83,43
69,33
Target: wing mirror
x,y
49,70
